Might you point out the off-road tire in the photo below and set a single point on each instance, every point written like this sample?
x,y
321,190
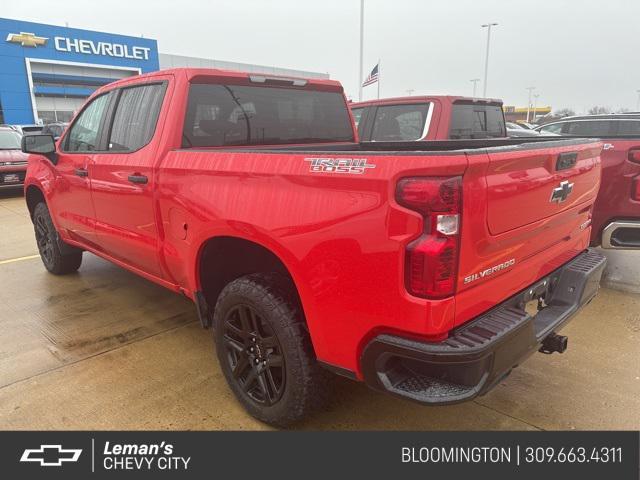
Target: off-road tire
x,y
274,302
48,242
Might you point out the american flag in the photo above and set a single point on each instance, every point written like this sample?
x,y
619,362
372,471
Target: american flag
x,y
373,76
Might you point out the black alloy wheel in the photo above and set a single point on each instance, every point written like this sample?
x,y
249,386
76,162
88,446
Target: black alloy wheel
x,y
265,350
254,355
58,257
45,239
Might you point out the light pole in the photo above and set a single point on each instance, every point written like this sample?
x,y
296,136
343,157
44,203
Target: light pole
x,y
475,85
361,48
638,102
531,89
486,58
535,105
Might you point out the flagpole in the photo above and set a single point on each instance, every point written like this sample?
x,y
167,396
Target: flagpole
x,y
361,47
379,76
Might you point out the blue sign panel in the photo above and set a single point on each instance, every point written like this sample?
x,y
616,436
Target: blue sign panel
x,y
24,42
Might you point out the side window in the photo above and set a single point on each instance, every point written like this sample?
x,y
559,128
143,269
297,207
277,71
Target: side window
x,y
553,128
83,136
591,128
135,118
399,122
629,127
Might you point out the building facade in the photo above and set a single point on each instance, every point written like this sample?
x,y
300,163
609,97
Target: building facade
x,y
177,61
47,71
519,114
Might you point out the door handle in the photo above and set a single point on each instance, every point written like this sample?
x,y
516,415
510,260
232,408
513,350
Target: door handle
x,y
81,172
608,146
142,179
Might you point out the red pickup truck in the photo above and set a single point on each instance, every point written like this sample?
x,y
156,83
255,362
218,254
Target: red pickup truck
x,y
436,117
616,214
426,269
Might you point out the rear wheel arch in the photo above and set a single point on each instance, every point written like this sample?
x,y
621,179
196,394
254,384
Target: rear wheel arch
x,y
222,259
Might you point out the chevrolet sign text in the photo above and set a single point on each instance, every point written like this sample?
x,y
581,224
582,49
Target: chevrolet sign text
x,y
89,47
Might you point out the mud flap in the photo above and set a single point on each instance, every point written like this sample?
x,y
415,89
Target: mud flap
x,y
202,307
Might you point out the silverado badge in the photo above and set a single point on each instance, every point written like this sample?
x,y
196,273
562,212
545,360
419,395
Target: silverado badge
x,y
489,271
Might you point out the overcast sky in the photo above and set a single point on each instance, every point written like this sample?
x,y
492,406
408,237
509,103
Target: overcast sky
x,y
578,53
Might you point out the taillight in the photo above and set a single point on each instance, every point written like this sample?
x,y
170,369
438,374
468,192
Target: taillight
x,y
634,155
635,189
432,259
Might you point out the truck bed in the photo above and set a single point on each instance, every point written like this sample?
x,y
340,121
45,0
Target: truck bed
x,y
390,148
351,227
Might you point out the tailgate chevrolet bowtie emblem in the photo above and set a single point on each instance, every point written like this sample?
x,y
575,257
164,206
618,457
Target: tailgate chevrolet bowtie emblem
x,y
26,39
561,193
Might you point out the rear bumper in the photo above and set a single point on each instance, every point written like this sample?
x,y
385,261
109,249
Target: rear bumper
x,y
622,235
480,353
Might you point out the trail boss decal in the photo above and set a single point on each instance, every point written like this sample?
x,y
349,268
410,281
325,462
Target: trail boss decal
x,y
339,165
489,271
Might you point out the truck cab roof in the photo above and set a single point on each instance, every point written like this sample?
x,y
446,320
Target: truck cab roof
x,y
206,75
424,98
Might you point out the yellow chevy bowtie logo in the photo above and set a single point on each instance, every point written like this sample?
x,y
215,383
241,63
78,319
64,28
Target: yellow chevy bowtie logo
x,y
26,39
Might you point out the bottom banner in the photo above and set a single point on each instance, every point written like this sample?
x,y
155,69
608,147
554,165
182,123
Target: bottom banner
x,y
308,455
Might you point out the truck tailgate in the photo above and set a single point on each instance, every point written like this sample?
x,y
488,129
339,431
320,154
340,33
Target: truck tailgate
x,y
526,186
527,211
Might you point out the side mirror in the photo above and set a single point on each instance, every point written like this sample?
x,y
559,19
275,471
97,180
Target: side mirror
x,y
40,145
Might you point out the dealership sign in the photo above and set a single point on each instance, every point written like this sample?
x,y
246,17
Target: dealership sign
x,y
88,47
64,44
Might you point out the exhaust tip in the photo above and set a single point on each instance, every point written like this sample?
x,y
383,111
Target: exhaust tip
x,y
554,343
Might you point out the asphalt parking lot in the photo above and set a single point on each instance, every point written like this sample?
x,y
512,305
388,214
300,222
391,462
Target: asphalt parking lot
x,y
105,349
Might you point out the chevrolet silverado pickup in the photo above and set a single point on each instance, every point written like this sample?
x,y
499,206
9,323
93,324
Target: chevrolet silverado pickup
x,y
435,117
616,213
427,269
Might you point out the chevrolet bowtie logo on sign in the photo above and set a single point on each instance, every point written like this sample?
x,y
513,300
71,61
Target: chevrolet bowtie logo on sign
x,y
50,455
26,39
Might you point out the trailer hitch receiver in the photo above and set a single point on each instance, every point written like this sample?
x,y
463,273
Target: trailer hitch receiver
x,y
554,343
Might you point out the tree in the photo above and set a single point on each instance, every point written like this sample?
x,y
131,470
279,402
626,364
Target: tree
x,y
598,110
564,112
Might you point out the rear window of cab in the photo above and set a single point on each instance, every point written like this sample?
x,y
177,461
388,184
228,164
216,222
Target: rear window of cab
x,y
471,120
238,115
400,122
